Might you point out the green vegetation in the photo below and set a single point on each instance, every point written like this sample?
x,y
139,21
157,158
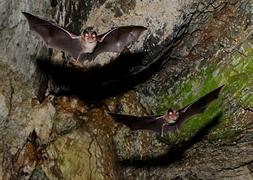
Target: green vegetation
x,y
236,73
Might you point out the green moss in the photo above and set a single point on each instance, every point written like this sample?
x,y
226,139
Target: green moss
x,y
75,159
236,73
227,135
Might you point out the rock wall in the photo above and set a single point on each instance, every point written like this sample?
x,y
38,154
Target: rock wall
x,y
191,47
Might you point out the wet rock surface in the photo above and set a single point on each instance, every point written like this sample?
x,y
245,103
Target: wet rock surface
x,y
193,47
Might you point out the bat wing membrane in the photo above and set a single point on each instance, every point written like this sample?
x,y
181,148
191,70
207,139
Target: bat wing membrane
x,y
155,124
197,107
138,122
55,36
117,39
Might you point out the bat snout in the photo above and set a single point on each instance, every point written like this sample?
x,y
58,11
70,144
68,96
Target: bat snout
x,y
89,39
173,117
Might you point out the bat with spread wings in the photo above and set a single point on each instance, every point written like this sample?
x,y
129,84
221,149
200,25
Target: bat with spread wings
x,y
88,44
171,120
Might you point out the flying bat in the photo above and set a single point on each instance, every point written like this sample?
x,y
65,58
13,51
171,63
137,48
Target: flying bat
x,y
171,120
88,45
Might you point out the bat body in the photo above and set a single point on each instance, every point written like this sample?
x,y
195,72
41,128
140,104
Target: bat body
x,y
88,43
171,120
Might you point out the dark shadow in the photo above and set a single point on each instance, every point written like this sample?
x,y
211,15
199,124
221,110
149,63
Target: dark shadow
x,y
175,152
123,74
98,82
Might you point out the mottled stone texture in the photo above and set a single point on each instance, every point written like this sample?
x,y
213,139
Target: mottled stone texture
x,y
191,47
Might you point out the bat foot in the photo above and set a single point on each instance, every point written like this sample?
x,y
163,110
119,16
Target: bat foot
x,y
161,134
86,57
74,63
162,129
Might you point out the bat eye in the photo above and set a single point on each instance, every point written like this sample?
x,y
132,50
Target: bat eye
x,y
86,34
170,113
93,35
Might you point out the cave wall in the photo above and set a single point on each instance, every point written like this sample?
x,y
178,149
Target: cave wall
x,y
198,45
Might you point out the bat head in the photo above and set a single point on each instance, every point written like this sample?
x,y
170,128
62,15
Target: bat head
x,y
171,116
89,35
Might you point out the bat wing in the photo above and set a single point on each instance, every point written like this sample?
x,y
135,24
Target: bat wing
x,y
137,122
195,108
155,124
117,39
55,36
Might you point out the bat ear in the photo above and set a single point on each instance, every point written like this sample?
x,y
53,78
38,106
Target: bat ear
x,y
84,31
172,109
88,29
169,110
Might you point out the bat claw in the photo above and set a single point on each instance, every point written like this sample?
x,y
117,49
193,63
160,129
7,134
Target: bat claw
x,y
73,62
